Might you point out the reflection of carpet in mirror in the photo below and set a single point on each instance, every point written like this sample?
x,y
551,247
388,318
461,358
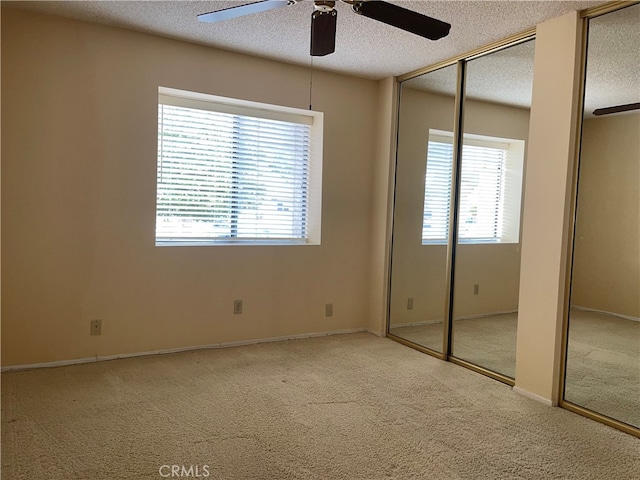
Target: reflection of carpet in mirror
x,y
489,342
603,368
603,365
429,335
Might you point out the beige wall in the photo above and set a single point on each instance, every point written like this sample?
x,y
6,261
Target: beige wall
x,y
418,271
79,122
606,272
78,193
547,200
382,190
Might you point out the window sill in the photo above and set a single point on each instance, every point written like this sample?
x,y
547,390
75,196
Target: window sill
x,y
470,242
229,242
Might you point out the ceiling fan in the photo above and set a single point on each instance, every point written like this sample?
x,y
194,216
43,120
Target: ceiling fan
x,y
324,16
616,109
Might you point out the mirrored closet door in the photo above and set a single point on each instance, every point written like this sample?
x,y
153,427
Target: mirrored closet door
x,y
602,373
487,262
420,223
455,260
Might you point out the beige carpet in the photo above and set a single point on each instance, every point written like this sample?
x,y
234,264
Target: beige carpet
x,y
603,365
486,341
603,368
343,407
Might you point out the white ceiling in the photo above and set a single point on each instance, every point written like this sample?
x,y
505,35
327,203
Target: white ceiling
x,y
373,50
364,47
506,76
613,60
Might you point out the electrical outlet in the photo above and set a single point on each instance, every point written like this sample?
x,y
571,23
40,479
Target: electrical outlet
x,y
95,327
328,310
410,303
476,289
237,307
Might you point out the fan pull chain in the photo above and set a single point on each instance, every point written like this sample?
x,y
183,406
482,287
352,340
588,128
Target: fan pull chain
x,y
310,82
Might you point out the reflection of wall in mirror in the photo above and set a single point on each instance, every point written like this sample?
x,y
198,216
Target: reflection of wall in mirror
x,y
606,274
418,271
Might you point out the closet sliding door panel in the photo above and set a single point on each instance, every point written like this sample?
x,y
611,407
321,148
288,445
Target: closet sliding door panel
x,y
603,348
487,260
421,208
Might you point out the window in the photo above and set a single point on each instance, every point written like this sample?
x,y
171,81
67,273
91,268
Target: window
x,y
236,172
490,189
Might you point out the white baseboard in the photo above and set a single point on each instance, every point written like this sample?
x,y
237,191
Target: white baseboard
x,y
415,324
534,396
465,317
587,309
483,315
376,333
102,358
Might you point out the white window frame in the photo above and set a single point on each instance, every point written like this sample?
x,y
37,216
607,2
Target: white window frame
x,y
311,192
510,190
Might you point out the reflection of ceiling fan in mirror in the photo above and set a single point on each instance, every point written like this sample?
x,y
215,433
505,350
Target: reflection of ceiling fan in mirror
x,y
617,109
324,16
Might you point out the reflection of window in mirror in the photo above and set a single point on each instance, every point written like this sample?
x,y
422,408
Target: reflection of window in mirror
x,y
490,189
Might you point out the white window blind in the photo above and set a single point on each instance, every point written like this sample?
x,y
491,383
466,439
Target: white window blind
x,y
437,192
228,177
486,213
480,193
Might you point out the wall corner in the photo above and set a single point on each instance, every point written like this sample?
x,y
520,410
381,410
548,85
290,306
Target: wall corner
x,y
381,201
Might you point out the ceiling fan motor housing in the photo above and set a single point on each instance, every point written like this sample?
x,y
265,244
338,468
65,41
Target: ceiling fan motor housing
x,y
325,6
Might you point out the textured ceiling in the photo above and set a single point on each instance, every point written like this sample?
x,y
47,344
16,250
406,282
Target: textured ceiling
x,y
364,47
613,60
371,49
506,76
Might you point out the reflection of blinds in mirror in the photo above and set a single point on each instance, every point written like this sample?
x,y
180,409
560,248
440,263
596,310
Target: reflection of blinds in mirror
x,y
480,193
486,212
437,192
